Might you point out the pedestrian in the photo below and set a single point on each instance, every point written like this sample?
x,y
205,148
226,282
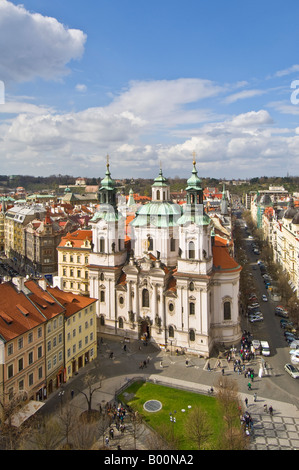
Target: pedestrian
x,y
187,362
265,408
161,364
107,441
271,410
72,394
222,371
246,402
249,386
111,433
255,397
209,367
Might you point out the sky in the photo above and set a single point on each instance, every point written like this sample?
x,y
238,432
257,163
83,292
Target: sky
x,y
149,83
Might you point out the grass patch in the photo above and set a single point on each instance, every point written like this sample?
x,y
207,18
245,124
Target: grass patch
x,y
175,400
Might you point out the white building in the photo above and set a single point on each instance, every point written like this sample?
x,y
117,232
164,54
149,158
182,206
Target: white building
x,y
177,286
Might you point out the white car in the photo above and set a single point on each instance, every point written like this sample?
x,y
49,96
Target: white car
x,y
264,298
295,360
292,370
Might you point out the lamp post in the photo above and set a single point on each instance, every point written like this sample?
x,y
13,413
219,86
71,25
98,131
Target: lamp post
x,y
172,420
60,394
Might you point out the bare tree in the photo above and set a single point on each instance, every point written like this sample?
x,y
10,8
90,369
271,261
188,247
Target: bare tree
x,y
91,389
198,428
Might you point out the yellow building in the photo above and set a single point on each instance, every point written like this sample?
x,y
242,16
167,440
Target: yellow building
x,y
80,330
73,260
16,218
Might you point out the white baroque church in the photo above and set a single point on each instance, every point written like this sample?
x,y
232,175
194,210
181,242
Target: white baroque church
x,y
176,286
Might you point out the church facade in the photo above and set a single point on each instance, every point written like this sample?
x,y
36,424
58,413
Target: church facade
x,y
177,285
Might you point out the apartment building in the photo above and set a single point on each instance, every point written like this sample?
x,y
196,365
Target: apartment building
x,y
46,336
73,261
54,313
16,218
80,329
22,331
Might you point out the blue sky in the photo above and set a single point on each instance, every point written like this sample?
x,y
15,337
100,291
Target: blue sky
x,y
149,82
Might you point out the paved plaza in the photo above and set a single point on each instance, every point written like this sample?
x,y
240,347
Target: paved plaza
x,y
277,432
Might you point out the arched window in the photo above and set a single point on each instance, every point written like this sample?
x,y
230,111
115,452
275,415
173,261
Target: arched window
x,y
102,245
102,296
158,195
192,308
102,320
191,250
191,286
120,323
192,335
145,298
150,243
227,311
171,331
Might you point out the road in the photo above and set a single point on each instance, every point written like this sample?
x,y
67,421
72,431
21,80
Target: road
x,y
270,330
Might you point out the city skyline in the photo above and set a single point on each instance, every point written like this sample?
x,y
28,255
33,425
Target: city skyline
x,y
149,84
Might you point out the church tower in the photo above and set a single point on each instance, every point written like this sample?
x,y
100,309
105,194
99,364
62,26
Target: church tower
x,y
108,247
195,231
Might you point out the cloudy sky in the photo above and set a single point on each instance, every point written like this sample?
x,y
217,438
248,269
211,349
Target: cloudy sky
x,y
149,83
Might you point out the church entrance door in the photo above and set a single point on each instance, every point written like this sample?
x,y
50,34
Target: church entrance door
x,y
144,330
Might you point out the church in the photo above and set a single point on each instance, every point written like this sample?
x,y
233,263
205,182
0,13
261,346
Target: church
x,y
177,285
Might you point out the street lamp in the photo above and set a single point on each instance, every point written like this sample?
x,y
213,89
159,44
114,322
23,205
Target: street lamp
x,y
60,394
172,420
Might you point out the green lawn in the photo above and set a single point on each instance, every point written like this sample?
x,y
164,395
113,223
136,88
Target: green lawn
x,y
174,400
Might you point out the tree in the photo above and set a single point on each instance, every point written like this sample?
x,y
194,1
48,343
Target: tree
x,y
233,437
198,428
88,382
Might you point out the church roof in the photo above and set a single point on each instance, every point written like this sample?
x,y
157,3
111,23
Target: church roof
x,y
161,214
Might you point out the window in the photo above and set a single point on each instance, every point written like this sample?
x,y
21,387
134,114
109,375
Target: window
x,y
145,298
192,335
102,245
171,307
150,244
192,308
30,358
191,286
191,250
120,323
171,332
10,371
158,195
102,296
227,310
172,244
21,364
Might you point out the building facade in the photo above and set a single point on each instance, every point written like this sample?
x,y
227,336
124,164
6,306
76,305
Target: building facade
x,y
178,286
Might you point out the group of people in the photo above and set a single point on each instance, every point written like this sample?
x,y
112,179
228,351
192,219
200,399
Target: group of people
x,y
246,422
117,415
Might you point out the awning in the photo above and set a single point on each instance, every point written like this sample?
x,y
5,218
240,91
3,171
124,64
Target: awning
x,y
26,412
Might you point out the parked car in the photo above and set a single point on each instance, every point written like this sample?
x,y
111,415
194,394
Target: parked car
x,y
264,298
281,313
294,344
292,370
256,318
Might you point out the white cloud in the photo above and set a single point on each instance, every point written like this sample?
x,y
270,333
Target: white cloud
x,y
245,94
33,45
81,88
288,71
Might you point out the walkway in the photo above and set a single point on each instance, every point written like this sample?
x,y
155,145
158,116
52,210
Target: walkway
x,y
280,431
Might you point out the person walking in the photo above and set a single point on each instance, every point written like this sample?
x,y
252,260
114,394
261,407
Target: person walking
x,y
246,402
249,386
254,397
